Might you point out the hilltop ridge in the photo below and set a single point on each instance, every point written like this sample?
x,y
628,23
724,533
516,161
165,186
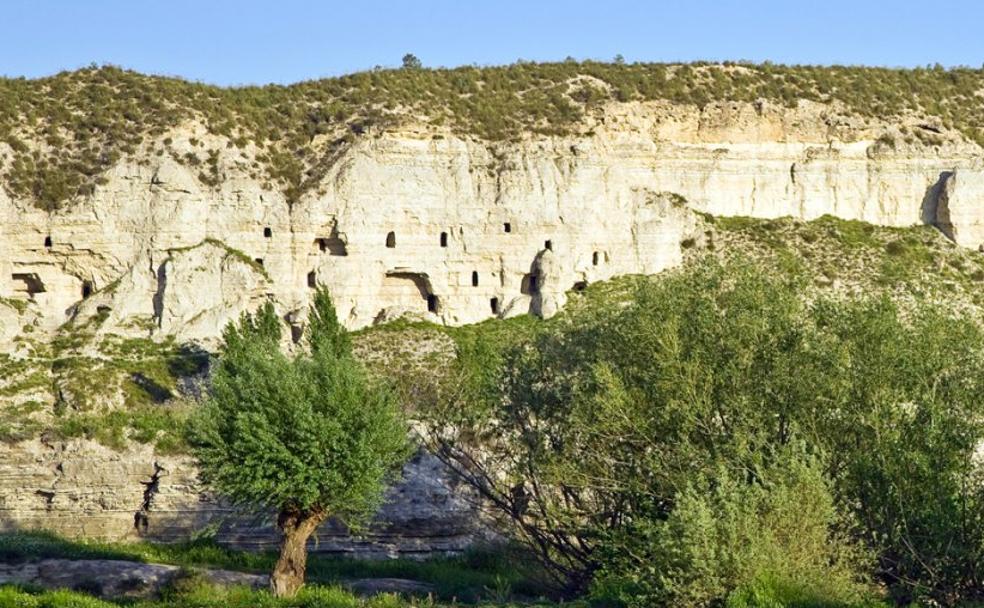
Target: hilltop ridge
x,y
65,131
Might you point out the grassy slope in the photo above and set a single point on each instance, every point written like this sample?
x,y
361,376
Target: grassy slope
x,y
67,129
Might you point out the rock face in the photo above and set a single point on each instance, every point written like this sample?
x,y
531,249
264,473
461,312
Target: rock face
x,y
82,489
420,222
449,228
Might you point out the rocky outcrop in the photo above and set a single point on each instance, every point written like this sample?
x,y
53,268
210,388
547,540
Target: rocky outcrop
x,y
81,489
960,207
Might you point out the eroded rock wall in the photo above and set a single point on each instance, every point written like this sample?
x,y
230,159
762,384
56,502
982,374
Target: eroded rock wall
x,y
446,227
81,489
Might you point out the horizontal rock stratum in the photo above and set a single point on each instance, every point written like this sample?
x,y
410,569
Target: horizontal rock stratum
x,y
454,229
168,238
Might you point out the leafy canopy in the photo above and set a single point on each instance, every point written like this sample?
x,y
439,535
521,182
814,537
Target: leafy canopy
x,y
309,432
629,446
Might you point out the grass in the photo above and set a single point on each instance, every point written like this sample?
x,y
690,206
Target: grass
x,y
205,596
66,130
473,577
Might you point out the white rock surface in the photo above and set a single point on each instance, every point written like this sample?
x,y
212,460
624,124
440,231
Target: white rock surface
x,y
612,202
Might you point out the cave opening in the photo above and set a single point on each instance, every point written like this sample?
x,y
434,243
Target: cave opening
x,y
548,245
391,240
267,232
30,283
444,239
312,280
47,242
494,305
86,289
529,285
507,227
333,245
475,278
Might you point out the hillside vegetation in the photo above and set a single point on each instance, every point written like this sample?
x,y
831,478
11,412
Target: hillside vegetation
x,y
66,130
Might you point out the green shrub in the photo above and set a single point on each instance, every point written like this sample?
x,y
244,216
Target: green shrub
x,y
726,533
603,440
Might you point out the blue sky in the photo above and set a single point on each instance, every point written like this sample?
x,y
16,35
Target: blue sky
x,y
246,41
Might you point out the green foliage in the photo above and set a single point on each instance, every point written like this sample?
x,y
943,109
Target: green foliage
x,y
616,436
909,419
726,534
326,335
411,62
309,432
66,130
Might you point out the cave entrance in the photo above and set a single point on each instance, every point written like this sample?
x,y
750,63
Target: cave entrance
x,y
529,285
27,283
409,290
312,280
332,244
494,305
444,239
391,240
87,289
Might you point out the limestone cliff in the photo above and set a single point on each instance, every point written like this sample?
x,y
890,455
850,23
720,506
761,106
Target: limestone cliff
x,y
449,227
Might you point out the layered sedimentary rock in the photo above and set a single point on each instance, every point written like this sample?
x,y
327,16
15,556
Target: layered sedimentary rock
x,y
84,490
426,222
450,227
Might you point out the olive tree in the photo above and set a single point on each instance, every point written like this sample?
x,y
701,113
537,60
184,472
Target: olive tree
x,y
309,436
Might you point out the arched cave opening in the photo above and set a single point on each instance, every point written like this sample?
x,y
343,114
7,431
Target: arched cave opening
x,y
474,278
391,240
494,305
444,239
47,242
86,289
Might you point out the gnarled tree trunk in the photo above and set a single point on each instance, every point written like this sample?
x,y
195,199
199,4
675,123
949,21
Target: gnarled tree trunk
x,y
297,526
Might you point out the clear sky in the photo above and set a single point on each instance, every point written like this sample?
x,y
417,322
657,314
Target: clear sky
x,y
252,41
